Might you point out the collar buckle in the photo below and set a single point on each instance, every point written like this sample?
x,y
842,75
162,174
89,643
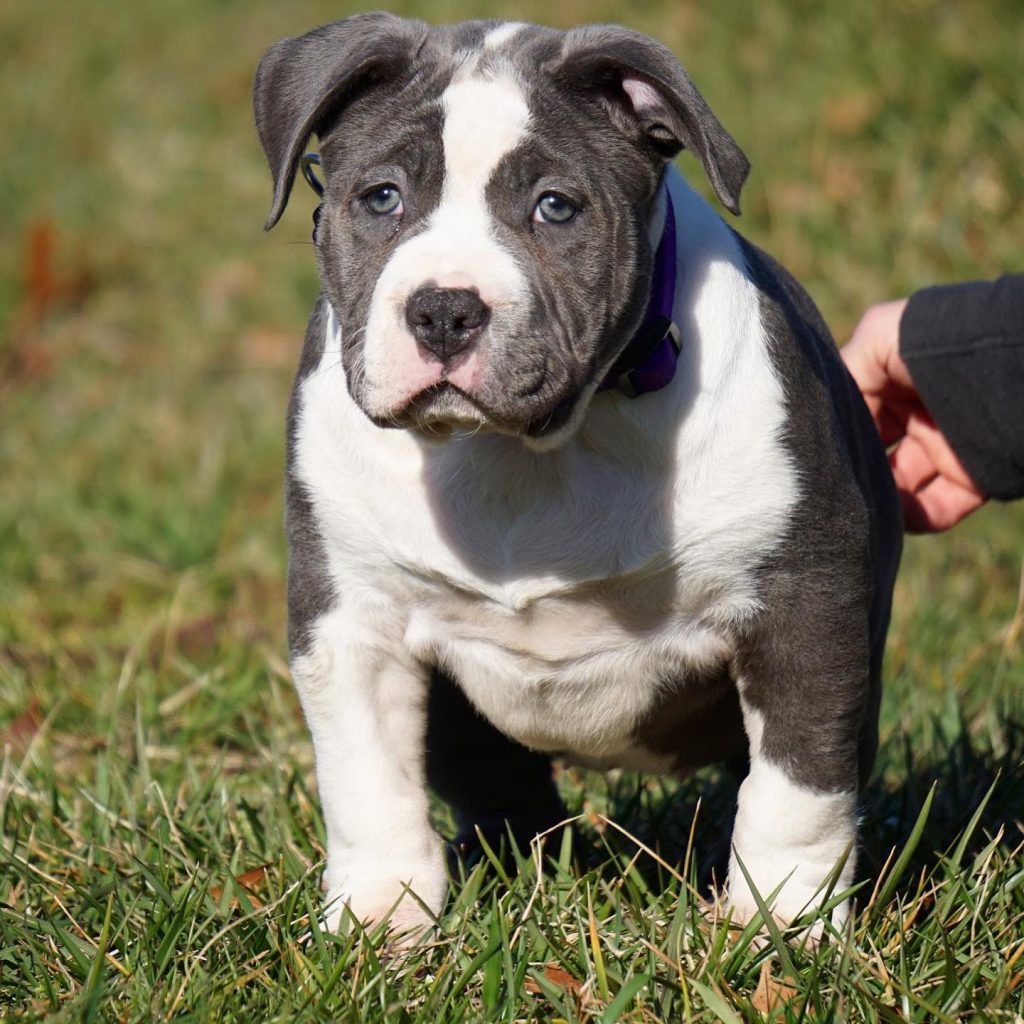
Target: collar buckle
x,y
631,388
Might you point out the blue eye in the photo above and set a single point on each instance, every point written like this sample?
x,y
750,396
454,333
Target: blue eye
x,y
384,200
554,208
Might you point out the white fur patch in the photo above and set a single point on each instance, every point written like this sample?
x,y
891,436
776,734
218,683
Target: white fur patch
x,y
485,118
502,34
790,836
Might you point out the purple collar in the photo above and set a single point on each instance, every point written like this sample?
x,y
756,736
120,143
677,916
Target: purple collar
x,y
648,362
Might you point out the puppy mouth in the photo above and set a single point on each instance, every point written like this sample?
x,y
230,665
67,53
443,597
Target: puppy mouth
x,y
443,409
438,411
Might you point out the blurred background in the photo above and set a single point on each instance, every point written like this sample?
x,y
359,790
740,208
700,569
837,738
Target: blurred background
x,y
149,329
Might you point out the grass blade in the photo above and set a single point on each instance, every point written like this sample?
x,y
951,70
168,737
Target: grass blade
x,y
903,860
624,998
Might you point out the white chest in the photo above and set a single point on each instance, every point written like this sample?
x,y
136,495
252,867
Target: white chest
x,y
559,609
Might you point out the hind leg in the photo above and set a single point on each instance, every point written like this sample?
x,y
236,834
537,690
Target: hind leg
x,y
490,781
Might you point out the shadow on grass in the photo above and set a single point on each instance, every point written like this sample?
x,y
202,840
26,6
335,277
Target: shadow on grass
x,y
689,822
962,771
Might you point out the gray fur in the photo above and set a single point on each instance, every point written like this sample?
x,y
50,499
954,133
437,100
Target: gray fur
x,y
595,56
812,660
299,80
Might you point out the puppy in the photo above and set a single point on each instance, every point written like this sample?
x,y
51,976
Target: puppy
x,y
573,469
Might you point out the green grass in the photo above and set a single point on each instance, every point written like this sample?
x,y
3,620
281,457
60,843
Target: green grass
x,y
153,751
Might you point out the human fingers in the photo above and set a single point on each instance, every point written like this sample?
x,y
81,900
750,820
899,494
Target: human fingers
x,y
872,355
873,360
922,429
935,490
912,467
938,505
891,416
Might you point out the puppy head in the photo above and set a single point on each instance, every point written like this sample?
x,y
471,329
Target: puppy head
x,y
488,188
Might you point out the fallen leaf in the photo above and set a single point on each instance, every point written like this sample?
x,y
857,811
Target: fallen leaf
x,y
41,286
562,978
250,881
559,977
254,878
771,993
47,285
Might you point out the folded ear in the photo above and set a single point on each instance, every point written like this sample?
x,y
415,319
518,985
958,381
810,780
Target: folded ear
x,y
300,81
647,91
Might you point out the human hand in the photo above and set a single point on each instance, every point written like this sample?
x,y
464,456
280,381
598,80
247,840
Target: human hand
x,y
934,488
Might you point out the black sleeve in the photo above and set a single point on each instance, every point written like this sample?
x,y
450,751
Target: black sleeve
x,y
964,347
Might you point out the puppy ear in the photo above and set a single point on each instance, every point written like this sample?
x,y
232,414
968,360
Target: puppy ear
x,y
646,91
300,81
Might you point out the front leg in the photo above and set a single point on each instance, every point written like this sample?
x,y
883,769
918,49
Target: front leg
x,y
365,703
791,833
806,682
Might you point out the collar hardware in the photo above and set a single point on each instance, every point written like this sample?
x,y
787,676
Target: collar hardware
x,y
306,165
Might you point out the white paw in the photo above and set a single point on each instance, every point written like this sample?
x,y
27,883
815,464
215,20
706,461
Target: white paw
x,y
741,908
806,888
795,844
407,900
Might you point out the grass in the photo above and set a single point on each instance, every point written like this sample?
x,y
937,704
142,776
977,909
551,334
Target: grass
x,y
160,841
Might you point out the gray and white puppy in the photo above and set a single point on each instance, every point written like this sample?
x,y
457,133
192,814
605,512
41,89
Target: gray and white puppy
x,y
493,562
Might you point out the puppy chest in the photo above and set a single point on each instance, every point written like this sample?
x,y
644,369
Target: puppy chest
x,y
573,675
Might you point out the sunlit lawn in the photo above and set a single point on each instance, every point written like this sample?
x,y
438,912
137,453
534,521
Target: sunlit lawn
x,y
161,842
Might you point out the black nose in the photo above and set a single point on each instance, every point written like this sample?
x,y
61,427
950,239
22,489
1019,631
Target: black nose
x,y
446,321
